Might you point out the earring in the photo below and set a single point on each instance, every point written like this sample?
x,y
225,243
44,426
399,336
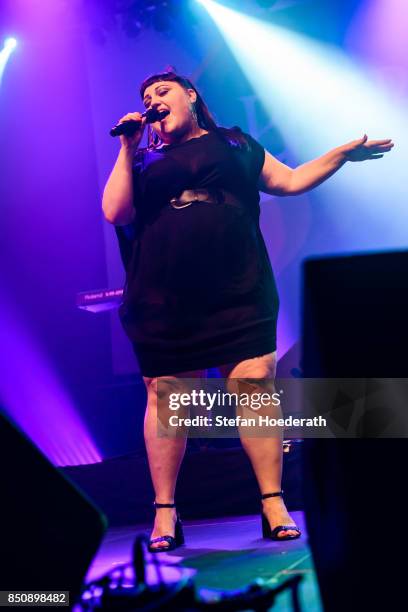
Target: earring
x,y
193,112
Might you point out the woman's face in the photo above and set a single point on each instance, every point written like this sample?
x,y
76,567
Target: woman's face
x,y
171,96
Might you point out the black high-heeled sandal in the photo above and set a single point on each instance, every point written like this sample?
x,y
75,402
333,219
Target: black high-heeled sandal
x,y
272,534
173,542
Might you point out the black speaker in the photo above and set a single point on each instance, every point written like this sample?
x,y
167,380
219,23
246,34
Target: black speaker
x,y
354,326
355,316
49,530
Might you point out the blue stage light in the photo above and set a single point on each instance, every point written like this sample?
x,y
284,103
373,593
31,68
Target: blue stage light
x,y
320,97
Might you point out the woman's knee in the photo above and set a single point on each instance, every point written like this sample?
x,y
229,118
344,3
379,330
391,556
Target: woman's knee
x,y
255,373
175,383
158,387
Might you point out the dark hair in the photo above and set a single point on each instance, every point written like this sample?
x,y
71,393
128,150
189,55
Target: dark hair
x,y
205,120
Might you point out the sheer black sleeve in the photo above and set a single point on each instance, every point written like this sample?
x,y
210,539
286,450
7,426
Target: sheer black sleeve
x,y
256,154
126,234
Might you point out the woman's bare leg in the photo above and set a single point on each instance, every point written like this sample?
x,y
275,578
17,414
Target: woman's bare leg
x,y
165,454
265,453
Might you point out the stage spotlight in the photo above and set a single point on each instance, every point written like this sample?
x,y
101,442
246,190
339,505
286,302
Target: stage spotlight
x,y
8,48
10,43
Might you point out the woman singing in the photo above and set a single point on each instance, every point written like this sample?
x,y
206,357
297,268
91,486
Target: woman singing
x,y
200,291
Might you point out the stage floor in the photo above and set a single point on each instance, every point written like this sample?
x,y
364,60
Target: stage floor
x,y
221,554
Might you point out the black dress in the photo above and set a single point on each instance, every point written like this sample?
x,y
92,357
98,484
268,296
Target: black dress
x,y
199,290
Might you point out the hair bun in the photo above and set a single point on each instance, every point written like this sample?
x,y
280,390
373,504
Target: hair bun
x,y
171,69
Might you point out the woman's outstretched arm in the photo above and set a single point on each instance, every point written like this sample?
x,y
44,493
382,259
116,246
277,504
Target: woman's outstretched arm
x,y
278,179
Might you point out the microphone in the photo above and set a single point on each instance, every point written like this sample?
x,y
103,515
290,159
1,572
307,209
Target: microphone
x,y
128,128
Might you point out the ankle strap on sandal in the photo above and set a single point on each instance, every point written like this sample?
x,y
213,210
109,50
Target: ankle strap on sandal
x,y
277,494
156,505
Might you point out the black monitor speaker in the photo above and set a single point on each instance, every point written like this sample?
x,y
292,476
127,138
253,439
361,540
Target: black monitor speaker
x,y
49,530
355,311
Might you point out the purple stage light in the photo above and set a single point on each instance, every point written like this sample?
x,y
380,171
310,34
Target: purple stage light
x,y
386,23
33,397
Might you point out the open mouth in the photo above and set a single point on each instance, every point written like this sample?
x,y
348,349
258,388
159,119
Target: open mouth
x,y
163,114
154,115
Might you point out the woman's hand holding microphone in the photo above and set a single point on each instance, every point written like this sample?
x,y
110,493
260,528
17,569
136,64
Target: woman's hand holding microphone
x,y
131,142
